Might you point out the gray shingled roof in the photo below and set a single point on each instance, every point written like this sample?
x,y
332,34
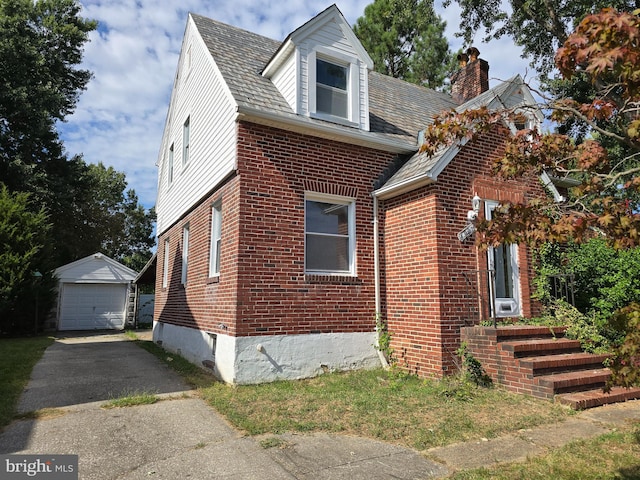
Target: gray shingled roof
x,y
421,165
397,109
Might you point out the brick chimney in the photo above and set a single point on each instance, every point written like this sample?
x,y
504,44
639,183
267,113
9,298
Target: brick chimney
x,y
473,77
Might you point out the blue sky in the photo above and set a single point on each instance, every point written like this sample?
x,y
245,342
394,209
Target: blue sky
x,y
134,53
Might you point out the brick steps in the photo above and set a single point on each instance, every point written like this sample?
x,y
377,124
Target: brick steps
x,y
541,362
542,346
528,332
595,398
575,381
562,362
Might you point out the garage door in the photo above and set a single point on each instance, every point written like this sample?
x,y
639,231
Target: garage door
x,y
92,306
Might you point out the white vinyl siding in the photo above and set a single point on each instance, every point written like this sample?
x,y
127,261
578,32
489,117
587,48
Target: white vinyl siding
x,y
286,81
216,239
205,98
185,254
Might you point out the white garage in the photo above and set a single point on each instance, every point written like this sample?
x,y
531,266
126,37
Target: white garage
x,y
94,293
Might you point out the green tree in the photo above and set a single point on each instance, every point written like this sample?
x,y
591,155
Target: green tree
x,y
540,27
405,39
605,49
23,251
100,214
41,46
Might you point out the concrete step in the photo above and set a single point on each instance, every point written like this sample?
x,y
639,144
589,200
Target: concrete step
x,y
565,362
568,382
596,397
541,346
520,332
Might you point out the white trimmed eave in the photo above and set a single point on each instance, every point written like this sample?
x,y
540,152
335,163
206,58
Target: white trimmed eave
x,y
306,126
413,183
281,55
430,176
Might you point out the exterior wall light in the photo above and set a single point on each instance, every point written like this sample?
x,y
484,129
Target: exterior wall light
x,y
475,205
472,216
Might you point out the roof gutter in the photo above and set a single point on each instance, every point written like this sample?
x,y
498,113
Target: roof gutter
x,y
301,124
403,187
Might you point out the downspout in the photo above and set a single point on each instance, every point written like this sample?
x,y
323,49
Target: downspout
x,y
376,272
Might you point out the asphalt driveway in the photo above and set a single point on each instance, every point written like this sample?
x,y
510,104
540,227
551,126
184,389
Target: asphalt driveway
x,y
178,437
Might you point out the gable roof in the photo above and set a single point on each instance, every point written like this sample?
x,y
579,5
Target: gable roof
x,y
332,13
95,268
398,110
422,169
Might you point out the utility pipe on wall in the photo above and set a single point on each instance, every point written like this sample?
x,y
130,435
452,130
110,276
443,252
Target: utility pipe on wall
x,y
376,273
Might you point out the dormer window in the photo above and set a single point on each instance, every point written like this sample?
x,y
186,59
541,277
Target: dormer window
x,y
524,121
332,96
321,70
333,86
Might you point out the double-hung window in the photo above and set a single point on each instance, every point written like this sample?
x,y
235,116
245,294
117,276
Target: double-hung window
x,y
329,235
185,253
332,95
216,237
186,131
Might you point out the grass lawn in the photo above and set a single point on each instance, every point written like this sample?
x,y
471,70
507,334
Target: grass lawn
x,y
613,456
416,413
17,358
384,405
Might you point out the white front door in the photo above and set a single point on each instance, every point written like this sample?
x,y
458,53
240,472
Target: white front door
x,y
503,261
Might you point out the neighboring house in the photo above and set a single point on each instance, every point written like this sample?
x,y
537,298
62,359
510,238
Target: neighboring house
x,y
293,206
95,293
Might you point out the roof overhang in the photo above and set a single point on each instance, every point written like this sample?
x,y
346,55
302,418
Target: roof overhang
x,y
147,275
307,126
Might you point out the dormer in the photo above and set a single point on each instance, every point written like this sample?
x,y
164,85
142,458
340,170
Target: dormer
x,y
321,69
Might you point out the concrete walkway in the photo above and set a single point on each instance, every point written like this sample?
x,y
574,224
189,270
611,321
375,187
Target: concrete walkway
x,y
181,437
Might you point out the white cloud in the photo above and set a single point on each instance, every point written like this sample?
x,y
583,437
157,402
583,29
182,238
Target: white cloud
x,y
134,53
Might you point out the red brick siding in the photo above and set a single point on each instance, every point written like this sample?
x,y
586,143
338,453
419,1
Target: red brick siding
x,y
205,303
426,299
275,296
262,288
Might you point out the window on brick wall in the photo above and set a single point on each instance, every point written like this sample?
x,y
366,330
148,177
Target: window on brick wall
x,y
216,237
503,260
185,253
165,264
329,235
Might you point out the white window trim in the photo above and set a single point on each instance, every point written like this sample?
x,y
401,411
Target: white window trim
x,y
351,203
185,254
165,264
216,238
186,141
170,160
531,121
514,304
353,85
